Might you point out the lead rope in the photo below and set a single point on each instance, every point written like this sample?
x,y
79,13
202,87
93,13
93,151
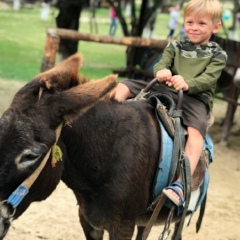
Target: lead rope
x,y
17,196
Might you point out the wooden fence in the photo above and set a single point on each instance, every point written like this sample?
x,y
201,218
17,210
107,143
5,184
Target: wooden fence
x,y
55,34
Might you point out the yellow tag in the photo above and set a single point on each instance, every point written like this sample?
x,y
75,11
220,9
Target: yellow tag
x,y
56,154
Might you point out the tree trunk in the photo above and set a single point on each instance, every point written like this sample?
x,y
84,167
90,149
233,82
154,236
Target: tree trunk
x,y
68,18
134,54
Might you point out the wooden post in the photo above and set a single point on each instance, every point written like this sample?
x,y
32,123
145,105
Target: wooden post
x,y
51,48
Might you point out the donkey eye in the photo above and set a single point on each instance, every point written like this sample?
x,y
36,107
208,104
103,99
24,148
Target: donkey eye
x,y
28,157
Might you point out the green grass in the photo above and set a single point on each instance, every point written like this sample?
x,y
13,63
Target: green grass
x,y
22,41
23,35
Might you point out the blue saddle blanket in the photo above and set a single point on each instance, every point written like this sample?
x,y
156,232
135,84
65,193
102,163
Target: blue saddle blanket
x,y
164,166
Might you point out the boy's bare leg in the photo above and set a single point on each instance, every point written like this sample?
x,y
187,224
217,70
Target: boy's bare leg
x,y
194,147
122,93
193,150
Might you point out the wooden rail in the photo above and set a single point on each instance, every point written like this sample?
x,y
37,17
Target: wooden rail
x,y
55,34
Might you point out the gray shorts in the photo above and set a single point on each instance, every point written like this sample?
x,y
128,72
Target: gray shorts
x,y
194,111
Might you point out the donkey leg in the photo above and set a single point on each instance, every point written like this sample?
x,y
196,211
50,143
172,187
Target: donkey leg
x,y
124,231
90,232
140,230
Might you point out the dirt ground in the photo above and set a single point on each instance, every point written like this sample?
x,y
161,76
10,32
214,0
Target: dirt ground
x,y
57,217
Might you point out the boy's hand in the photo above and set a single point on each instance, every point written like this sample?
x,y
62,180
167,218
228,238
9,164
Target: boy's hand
x,y
178,82
164,75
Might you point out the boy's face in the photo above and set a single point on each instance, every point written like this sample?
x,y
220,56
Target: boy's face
x,y
199,28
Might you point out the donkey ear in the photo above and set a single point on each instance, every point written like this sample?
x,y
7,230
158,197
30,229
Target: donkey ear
x,y
71,103
63,76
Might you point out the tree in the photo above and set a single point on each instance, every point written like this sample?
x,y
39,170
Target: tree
x,y
148,9
70,12
68,17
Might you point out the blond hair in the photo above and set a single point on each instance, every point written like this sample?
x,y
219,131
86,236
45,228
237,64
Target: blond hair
x,y
205,7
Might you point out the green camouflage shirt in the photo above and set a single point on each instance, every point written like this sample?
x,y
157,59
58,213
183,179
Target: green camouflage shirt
x,y
200,66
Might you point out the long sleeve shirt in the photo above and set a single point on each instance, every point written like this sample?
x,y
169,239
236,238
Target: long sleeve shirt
x,y
200,66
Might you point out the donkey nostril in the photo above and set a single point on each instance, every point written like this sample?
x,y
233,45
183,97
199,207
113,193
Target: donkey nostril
x,y
6,211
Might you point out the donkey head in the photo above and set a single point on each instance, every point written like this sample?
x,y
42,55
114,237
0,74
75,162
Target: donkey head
x,y
27,130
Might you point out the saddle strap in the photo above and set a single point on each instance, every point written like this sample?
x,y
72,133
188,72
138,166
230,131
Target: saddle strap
x,y
177,145
166,120
184,170
157,209
177,149
201,214
186,178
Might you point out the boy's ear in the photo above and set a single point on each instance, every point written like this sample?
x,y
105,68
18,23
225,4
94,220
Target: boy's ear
x,y
217,27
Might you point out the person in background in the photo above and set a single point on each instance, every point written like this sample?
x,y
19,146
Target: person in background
x,y
173,21
182,34
113,19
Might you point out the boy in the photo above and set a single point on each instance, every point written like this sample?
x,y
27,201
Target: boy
x,y
193,66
